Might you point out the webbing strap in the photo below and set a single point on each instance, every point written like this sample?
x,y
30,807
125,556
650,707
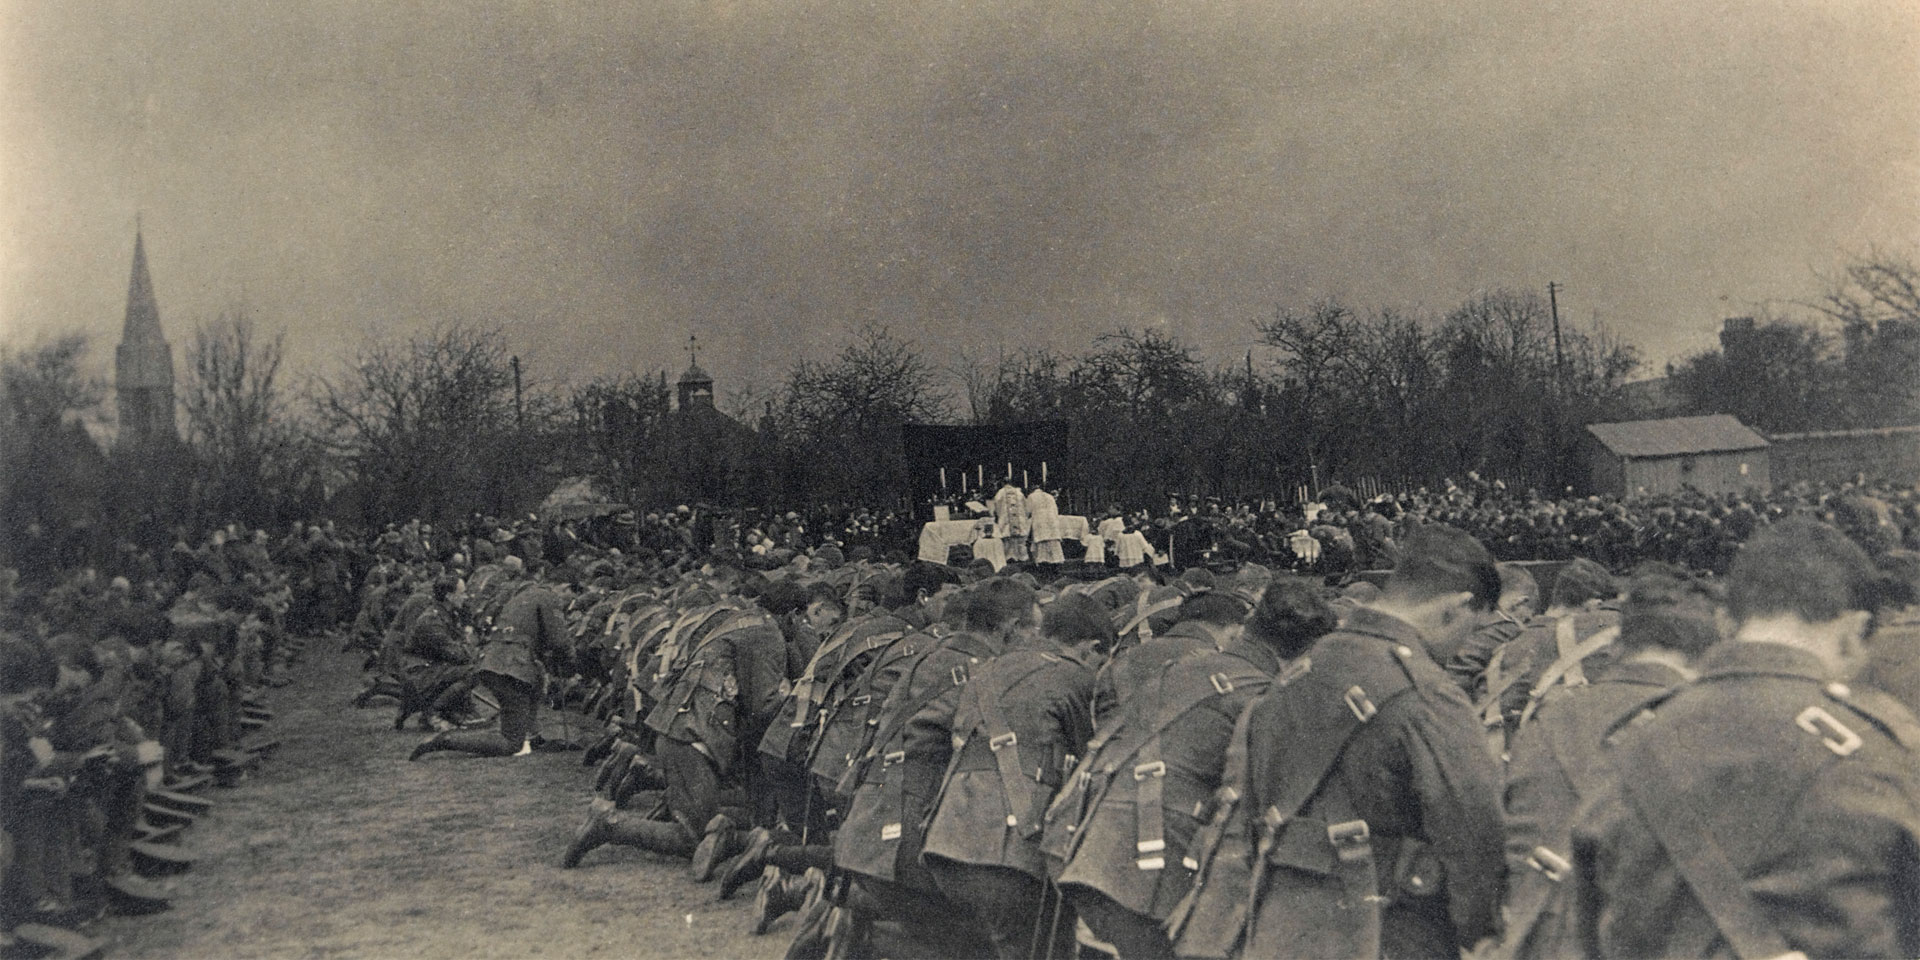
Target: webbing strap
x,y
1004,742
1144,613
859,695
1213,838
803,689
1566,637
1568,667
897,720
894,792
1149,810
670,647
1647,778
856,769
1164,717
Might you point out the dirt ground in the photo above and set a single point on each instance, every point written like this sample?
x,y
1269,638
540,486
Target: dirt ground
x,y
339,847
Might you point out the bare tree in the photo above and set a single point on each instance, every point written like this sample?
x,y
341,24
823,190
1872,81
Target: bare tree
x,y
619,421
839,421
1877,301
251,458
427,427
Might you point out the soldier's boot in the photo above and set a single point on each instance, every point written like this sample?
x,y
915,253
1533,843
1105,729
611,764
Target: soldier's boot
x,y
599,751
779,895
639,777
849,935
375,688
613,768
156,833
743,868
183,783
159,859
588,835
813,938
606,825
480,743
59,942
720,840
183,802
156,815
129,893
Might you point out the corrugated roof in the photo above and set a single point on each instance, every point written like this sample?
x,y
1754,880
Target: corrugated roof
x,y
1677,436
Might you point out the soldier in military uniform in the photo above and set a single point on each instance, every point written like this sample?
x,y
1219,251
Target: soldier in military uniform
x,y
1573,636
530,632
789,739
433,655
1120,834
717,687
1767,807
1666,623
1022,721
1370,823
791,866
894,785
1208,621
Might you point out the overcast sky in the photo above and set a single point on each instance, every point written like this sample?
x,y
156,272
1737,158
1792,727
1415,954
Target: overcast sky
x,y
601,179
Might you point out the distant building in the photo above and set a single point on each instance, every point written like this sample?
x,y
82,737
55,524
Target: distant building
x,y
710,456
143,363
1715,454
695,388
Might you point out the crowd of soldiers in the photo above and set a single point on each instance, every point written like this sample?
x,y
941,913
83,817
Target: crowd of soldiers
x,y
1706,754
124,695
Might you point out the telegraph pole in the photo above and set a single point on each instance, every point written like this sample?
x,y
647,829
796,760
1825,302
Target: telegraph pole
x,y
519,413
1559,352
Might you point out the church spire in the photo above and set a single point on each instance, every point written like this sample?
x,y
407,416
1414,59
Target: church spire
x,y
143,311
143,363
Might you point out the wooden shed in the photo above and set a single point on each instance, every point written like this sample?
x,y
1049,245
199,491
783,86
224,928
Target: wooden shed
x,y
1715,454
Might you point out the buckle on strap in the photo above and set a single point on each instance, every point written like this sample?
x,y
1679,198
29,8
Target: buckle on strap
x,y
1357,701
1221,684
1272,820
888,760
1553,865
1300,667
1158,768
1351,840
1007,739
1835,734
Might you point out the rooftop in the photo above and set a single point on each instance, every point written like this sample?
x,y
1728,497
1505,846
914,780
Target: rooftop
x,y
1677,436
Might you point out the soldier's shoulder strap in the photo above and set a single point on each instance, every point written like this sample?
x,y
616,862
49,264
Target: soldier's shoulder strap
x,y
1882,710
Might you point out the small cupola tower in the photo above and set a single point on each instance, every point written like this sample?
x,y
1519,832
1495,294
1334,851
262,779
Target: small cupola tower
x,y
696,387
